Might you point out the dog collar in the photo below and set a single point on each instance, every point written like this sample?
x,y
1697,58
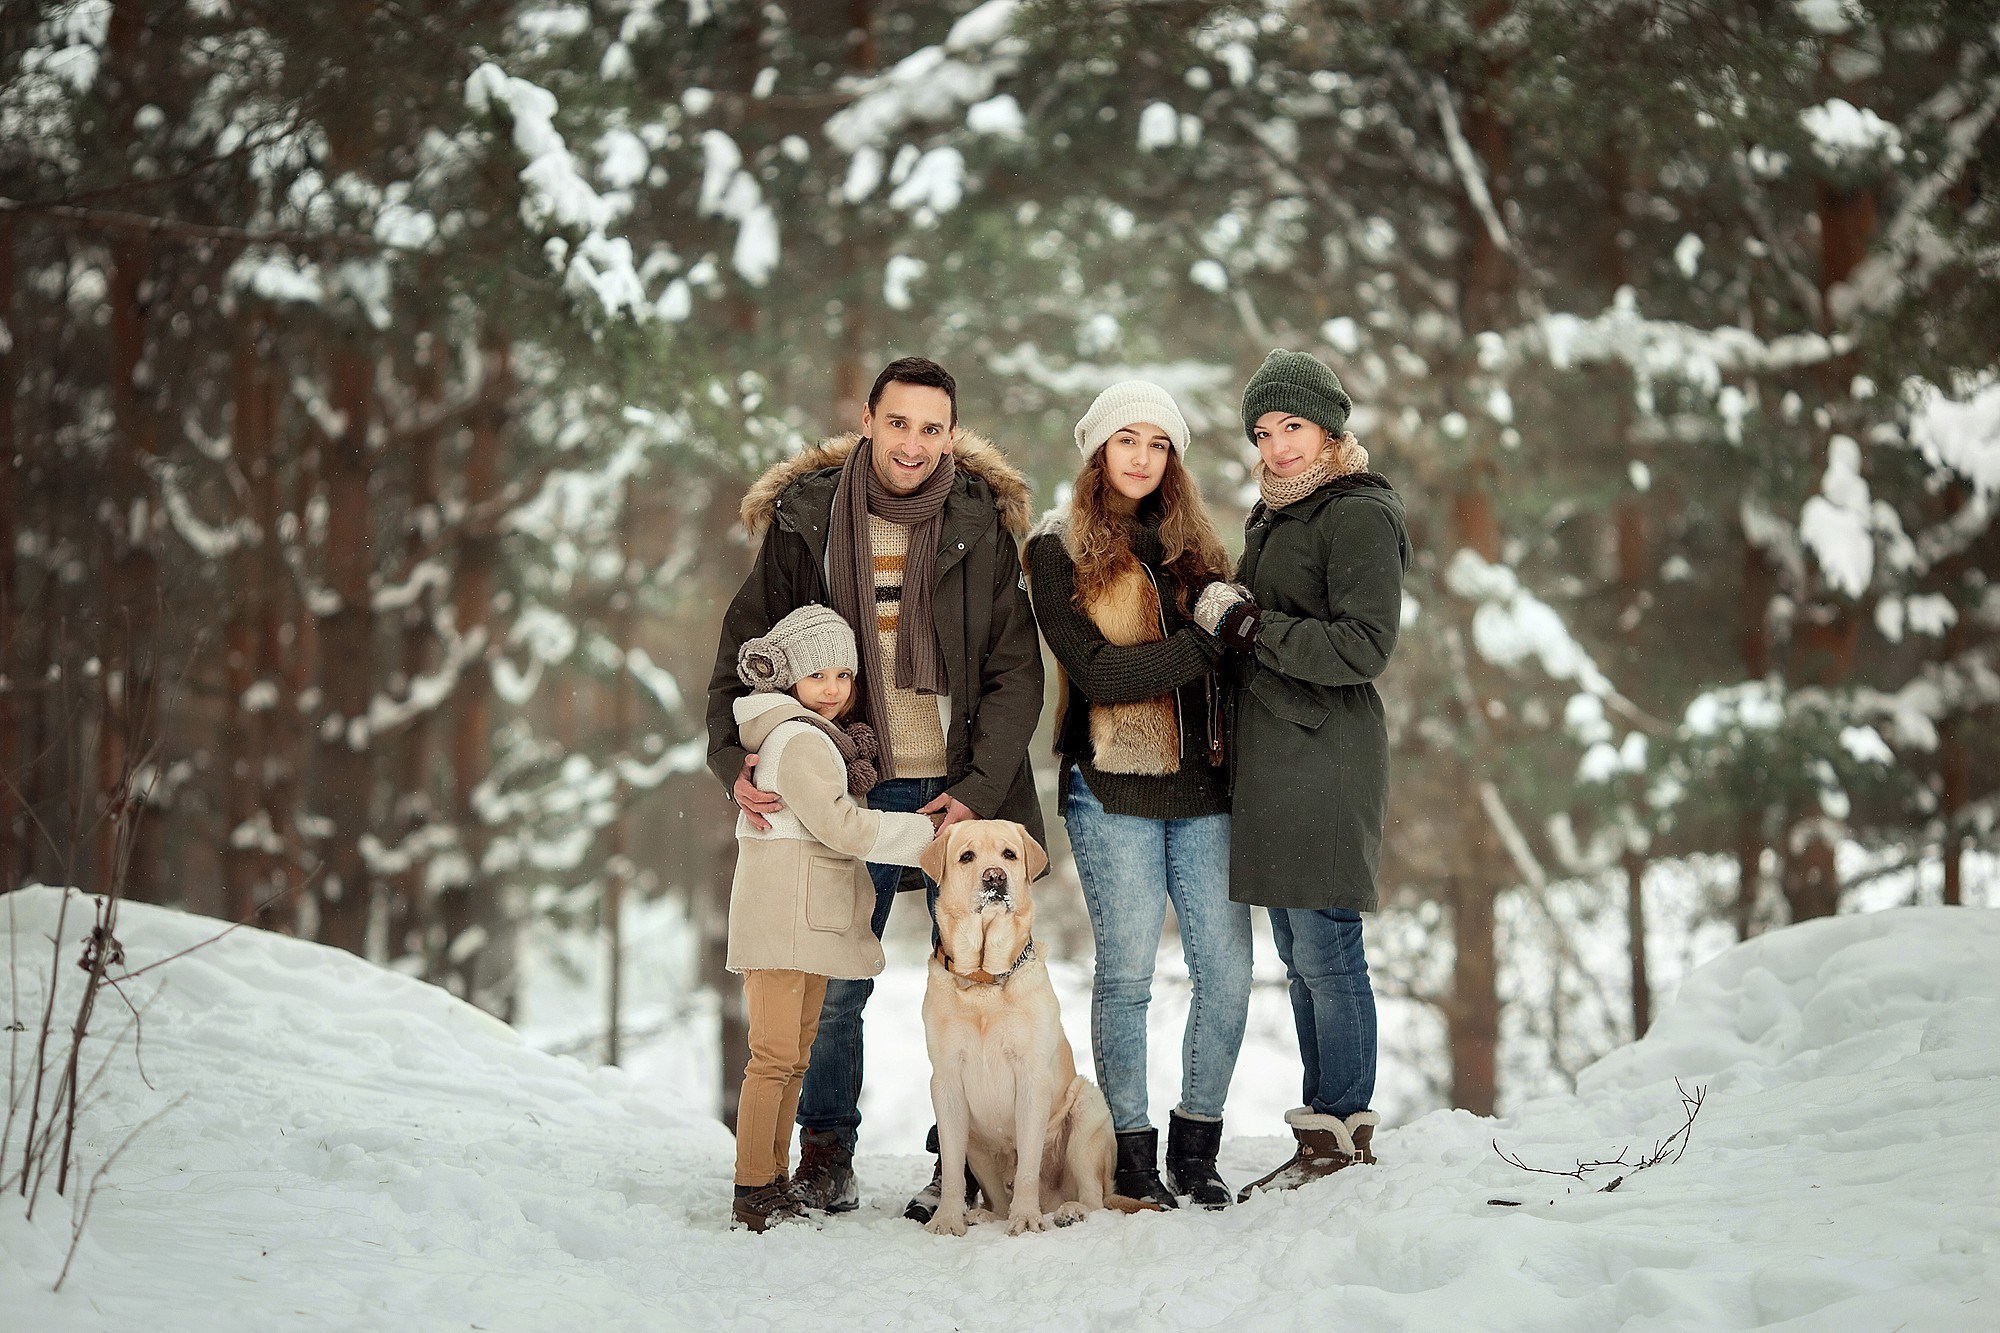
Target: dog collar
x,y
983,977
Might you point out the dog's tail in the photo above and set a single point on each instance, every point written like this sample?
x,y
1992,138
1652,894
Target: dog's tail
x,y
1123,1204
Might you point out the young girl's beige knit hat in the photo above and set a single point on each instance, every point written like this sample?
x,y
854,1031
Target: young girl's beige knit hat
x,y
812,638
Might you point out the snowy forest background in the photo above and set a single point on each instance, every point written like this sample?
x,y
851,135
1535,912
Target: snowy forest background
x,y
378,382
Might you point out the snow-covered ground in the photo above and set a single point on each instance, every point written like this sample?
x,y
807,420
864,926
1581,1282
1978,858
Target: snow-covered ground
x,y
358,1151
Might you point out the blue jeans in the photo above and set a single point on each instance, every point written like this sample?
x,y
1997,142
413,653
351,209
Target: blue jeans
x,y
1130,867
831,1099
1333,1006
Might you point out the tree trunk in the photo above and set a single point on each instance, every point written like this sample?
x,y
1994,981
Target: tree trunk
x,y
416,750
1635,933
128,648
1754,644
15,849
1473,1016
288,648
476,960
1829,635
859,262
244,858
618,865
347,671
1954,766
1486,284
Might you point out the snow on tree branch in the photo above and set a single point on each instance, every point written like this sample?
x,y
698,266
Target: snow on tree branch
x,y
1879,281
729,191
935,83
1467,163
1834,525
207,540
1961,436
1656,349
427,691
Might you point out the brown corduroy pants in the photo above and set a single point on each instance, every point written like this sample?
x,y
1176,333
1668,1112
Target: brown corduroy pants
x,y
783,1009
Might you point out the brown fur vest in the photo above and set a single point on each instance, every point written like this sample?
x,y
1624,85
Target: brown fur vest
x,y
1142,737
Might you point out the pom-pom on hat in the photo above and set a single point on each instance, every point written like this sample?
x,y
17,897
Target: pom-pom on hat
x,y
1297,384
812,638
1128,403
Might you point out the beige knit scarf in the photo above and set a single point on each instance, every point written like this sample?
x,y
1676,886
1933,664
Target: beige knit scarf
x,y
1341,457
851,576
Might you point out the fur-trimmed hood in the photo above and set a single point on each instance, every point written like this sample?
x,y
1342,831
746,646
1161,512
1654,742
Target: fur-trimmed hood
x,y
974,454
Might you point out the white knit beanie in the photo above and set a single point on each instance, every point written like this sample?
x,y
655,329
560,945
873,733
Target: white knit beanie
x,y
1128,403
812,638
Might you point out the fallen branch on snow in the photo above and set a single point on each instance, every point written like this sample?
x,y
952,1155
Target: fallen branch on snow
x,y
1668,1149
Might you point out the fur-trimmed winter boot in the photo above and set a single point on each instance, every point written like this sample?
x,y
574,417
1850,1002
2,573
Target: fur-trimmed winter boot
x,y
1326,1144
761,1207
1138,1174
1191,1148
824,1181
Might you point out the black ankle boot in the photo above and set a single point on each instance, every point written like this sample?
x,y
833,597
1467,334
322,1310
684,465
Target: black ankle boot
x,y
1191,1149
923,1205
1138,1175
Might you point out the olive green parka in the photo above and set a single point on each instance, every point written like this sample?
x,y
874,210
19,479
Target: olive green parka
x,y
1310,742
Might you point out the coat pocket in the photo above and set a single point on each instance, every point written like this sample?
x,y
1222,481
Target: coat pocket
x,y
1300,704
830,894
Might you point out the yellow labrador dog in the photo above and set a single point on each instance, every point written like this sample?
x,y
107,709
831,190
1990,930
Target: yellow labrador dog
x,y
1009,1101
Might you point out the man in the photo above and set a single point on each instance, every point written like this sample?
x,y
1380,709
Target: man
x,y
910,528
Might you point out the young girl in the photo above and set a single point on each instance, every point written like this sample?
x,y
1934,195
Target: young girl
x,y
800,902
1114,577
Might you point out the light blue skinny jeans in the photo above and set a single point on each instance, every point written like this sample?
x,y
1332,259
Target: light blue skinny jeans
x,y
1130,868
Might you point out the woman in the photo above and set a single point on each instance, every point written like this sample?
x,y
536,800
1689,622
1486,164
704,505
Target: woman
x,y
1144,790
1316,606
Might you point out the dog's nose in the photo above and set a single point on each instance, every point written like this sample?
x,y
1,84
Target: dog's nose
x,y
993,881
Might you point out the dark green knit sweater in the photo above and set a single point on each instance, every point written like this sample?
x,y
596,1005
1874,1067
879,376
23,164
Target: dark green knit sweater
x,y
1108,673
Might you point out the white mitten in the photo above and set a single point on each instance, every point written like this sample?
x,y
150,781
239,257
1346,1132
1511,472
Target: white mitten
x,y
1214,603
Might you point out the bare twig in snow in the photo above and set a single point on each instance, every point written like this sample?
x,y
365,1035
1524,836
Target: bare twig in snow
x,y
1668,1149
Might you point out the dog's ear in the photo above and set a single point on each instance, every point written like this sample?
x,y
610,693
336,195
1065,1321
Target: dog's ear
x,y
933,858
1038,860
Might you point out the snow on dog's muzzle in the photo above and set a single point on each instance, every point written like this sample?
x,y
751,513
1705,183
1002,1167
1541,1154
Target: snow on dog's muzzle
x,y
993,886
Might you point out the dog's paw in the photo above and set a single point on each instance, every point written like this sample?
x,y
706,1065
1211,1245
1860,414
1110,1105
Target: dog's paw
x,y
1070,1212
1026,1221
944,1224
980,1215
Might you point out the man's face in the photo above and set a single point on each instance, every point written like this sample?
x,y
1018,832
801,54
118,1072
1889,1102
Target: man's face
x,y
911,427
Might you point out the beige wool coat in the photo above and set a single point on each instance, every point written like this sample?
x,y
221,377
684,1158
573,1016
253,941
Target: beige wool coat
x,y
801,898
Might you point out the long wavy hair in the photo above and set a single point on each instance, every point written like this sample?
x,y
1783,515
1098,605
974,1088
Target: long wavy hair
x,y
1190,551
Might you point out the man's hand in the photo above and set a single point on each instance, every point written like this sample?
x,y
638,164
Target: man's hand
x,y
753,801
953,810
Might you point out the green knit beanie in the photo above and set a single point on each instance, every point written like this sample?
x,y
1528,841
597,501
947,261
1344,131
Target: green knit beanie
x,y
1298,384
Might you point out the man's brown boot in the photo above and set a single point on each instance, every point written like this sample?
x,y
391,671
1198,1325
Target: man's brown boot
x,y
1326,1145
824,1181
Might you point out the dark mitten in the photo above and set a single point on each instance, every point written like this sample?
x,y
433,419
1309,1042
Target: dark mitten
x,y
1238,627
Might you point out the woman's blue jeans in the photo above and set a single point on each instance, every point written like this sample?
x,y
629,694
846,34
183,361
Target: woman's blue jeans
x,y
1333,1005
831,1098
1131,867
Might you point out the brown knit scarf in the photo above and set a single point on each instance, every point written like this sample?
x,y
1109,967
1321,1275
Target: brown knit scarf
x,y
858,748
851,572
1340,458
